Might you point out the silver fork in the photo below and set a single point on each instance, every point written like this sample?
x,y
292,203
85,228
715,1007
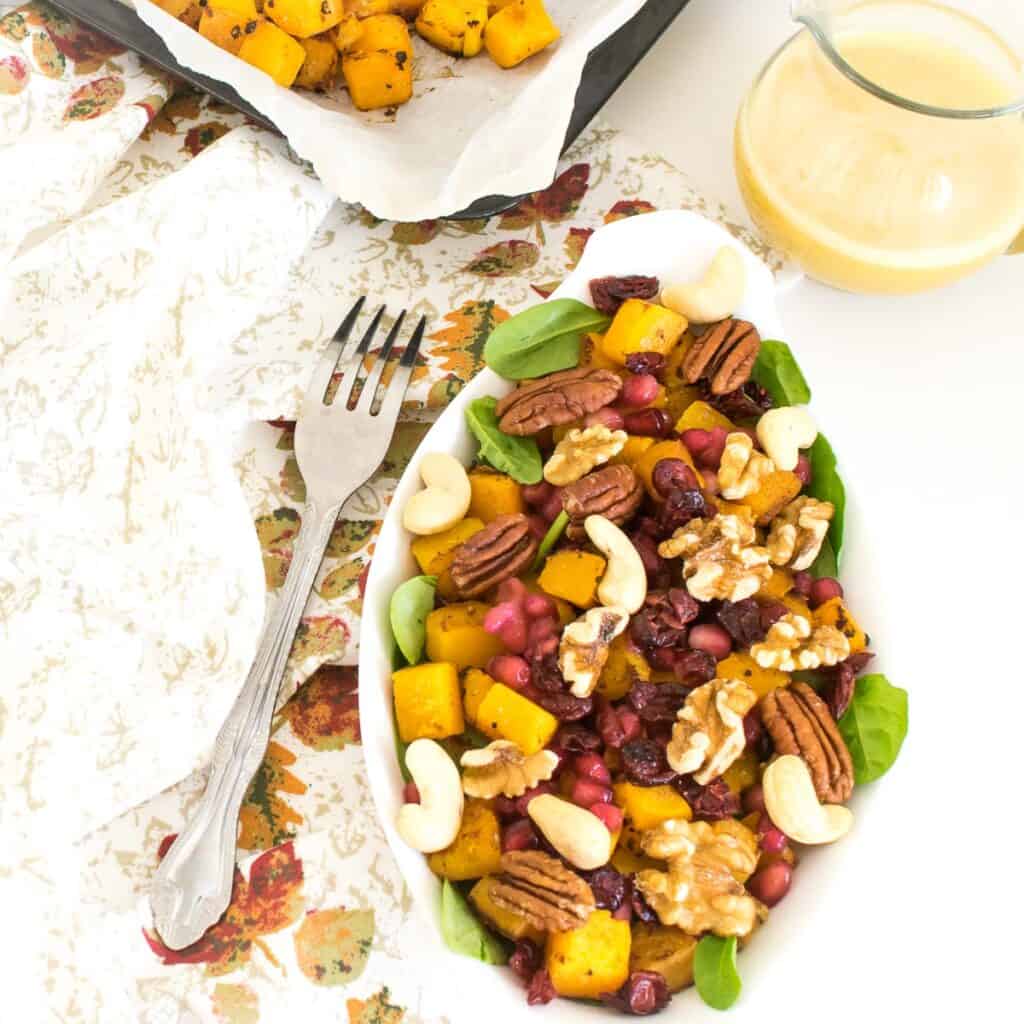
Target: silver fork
x,y
338,447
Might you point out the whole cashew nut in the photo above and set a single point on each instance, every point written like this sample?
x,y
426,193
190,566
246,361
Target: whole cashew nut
x,y
716,295
434,822
783,432
624,584
579,836
444,499
792,804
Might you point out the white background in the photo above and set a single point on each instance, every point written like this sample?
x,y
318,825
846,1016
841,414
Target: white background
x,y
922,398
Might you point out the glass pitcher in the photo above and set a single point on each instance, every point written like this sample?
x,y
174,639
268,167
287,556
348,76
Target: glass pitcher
x,y
882,147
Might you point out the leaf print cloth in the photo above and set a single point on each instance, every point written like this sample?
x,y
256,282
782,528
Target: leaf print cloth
x,y
171,276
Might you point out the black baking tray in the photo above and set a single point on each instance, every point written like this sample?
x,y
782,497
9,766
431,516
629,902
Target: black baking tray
x,y
606,69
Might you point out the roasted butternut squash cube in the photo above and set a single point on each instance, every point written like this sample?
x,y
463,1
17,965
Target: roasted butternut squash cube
x,y
566,612
835,613
408,9
241,8
477,848
505,922
475,685
304,18
368,8
320,65
701,416
627,862
518,31
456,633
592,354
644,467
274,52
679,398
778,585
227,29
797,605
590,960
435,552
665,950
378,65
573,575
346,32
647,806
428,702
777,490
494,494
624,667
641,326
504,714
187,11
632,450
740,665
455,26
743,772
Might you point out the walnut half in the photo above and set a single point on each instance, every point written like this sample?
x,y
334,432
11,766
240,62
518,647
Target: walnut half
x,y
501,768
583,649
708,734
798,531
792,645
580,451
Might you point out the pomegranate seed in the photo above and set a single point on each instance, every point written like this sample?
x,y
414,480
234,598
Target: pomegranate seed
x,y
537,606
512,590
507,621
629,722
606,417
802,582
537,494
523,802
802,469
648,423
410,793
712,639
586,793
711,457
709,482
609,814
753,799
773,840
519,835
552,508
509,669
592,766
696,440
639,391
771,883
538,525
824,590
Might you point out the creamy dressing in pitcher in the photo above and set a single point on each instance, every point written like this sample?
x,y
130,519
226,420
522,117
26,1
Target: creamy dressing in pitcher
x,y
866,195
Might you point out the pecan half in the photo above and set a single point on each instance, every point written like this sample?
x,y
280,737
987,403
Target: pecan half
x,y
542,889
800,723
724,355
502,549
613,492
558,398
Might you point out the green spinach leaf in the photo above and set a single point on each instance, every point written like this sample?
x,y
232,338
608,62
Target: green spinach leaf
x,y
517,456
826,563
714,971
541,339
462,931
827,485
410,604
874,726
778,372
550,539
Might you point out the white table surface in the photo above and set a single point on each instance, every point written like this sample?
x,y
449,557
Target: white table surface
x,y
921,398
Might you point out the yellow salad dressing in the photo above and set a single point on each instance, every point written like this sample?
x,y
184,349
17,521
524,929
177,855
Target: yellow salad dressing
x,y
868,196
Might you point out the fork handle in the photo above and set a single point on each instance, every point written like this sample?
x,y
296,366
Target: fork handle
x,y
192,886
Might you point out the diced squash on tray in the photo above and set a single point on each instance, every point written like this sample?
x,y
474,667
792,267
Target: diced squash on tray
x,y
304,18
434,552
368,8
666,951
573,576
518,31
455,26
477,848
590,960
227,29
701,416
378,65
346,32
475,685
644,467
623,668
506,922
273,51
494,494
428,701
320,65
504,714
777,490
456,633
187,11
641,326
740,665
835,613
647,806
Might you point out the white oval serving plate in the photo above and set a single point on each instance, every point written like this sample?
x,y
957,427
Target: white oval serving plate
x,y
671,245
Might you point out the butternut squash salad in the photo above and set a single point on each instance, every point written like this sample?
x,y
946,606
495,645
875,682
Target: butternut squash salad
x,y
306,43
631,688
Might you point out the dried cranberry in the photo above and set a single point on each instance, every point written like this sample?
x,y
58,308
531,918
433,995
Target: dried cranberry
x,y
693,667
802,583
642,910
748,402
681,505
742,621
525,960
644,993
546,675
672,474
564,706
655,566
610,889
648,423
540,991
771,612
646,362
644,764
657,702
838,692
608,293
663,619
575,739
712,802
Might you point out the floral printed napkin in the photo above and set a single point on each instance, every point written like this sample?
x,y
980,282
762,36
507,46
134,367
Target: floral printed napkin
x,y
171,274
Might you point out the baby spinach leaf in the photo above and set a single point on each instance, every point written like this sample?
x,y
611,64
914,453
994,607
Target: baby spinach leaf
x,y
462,931
827,485
541,339
825,564
714,971
874,726
410,604
778,372
550,539
517,456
